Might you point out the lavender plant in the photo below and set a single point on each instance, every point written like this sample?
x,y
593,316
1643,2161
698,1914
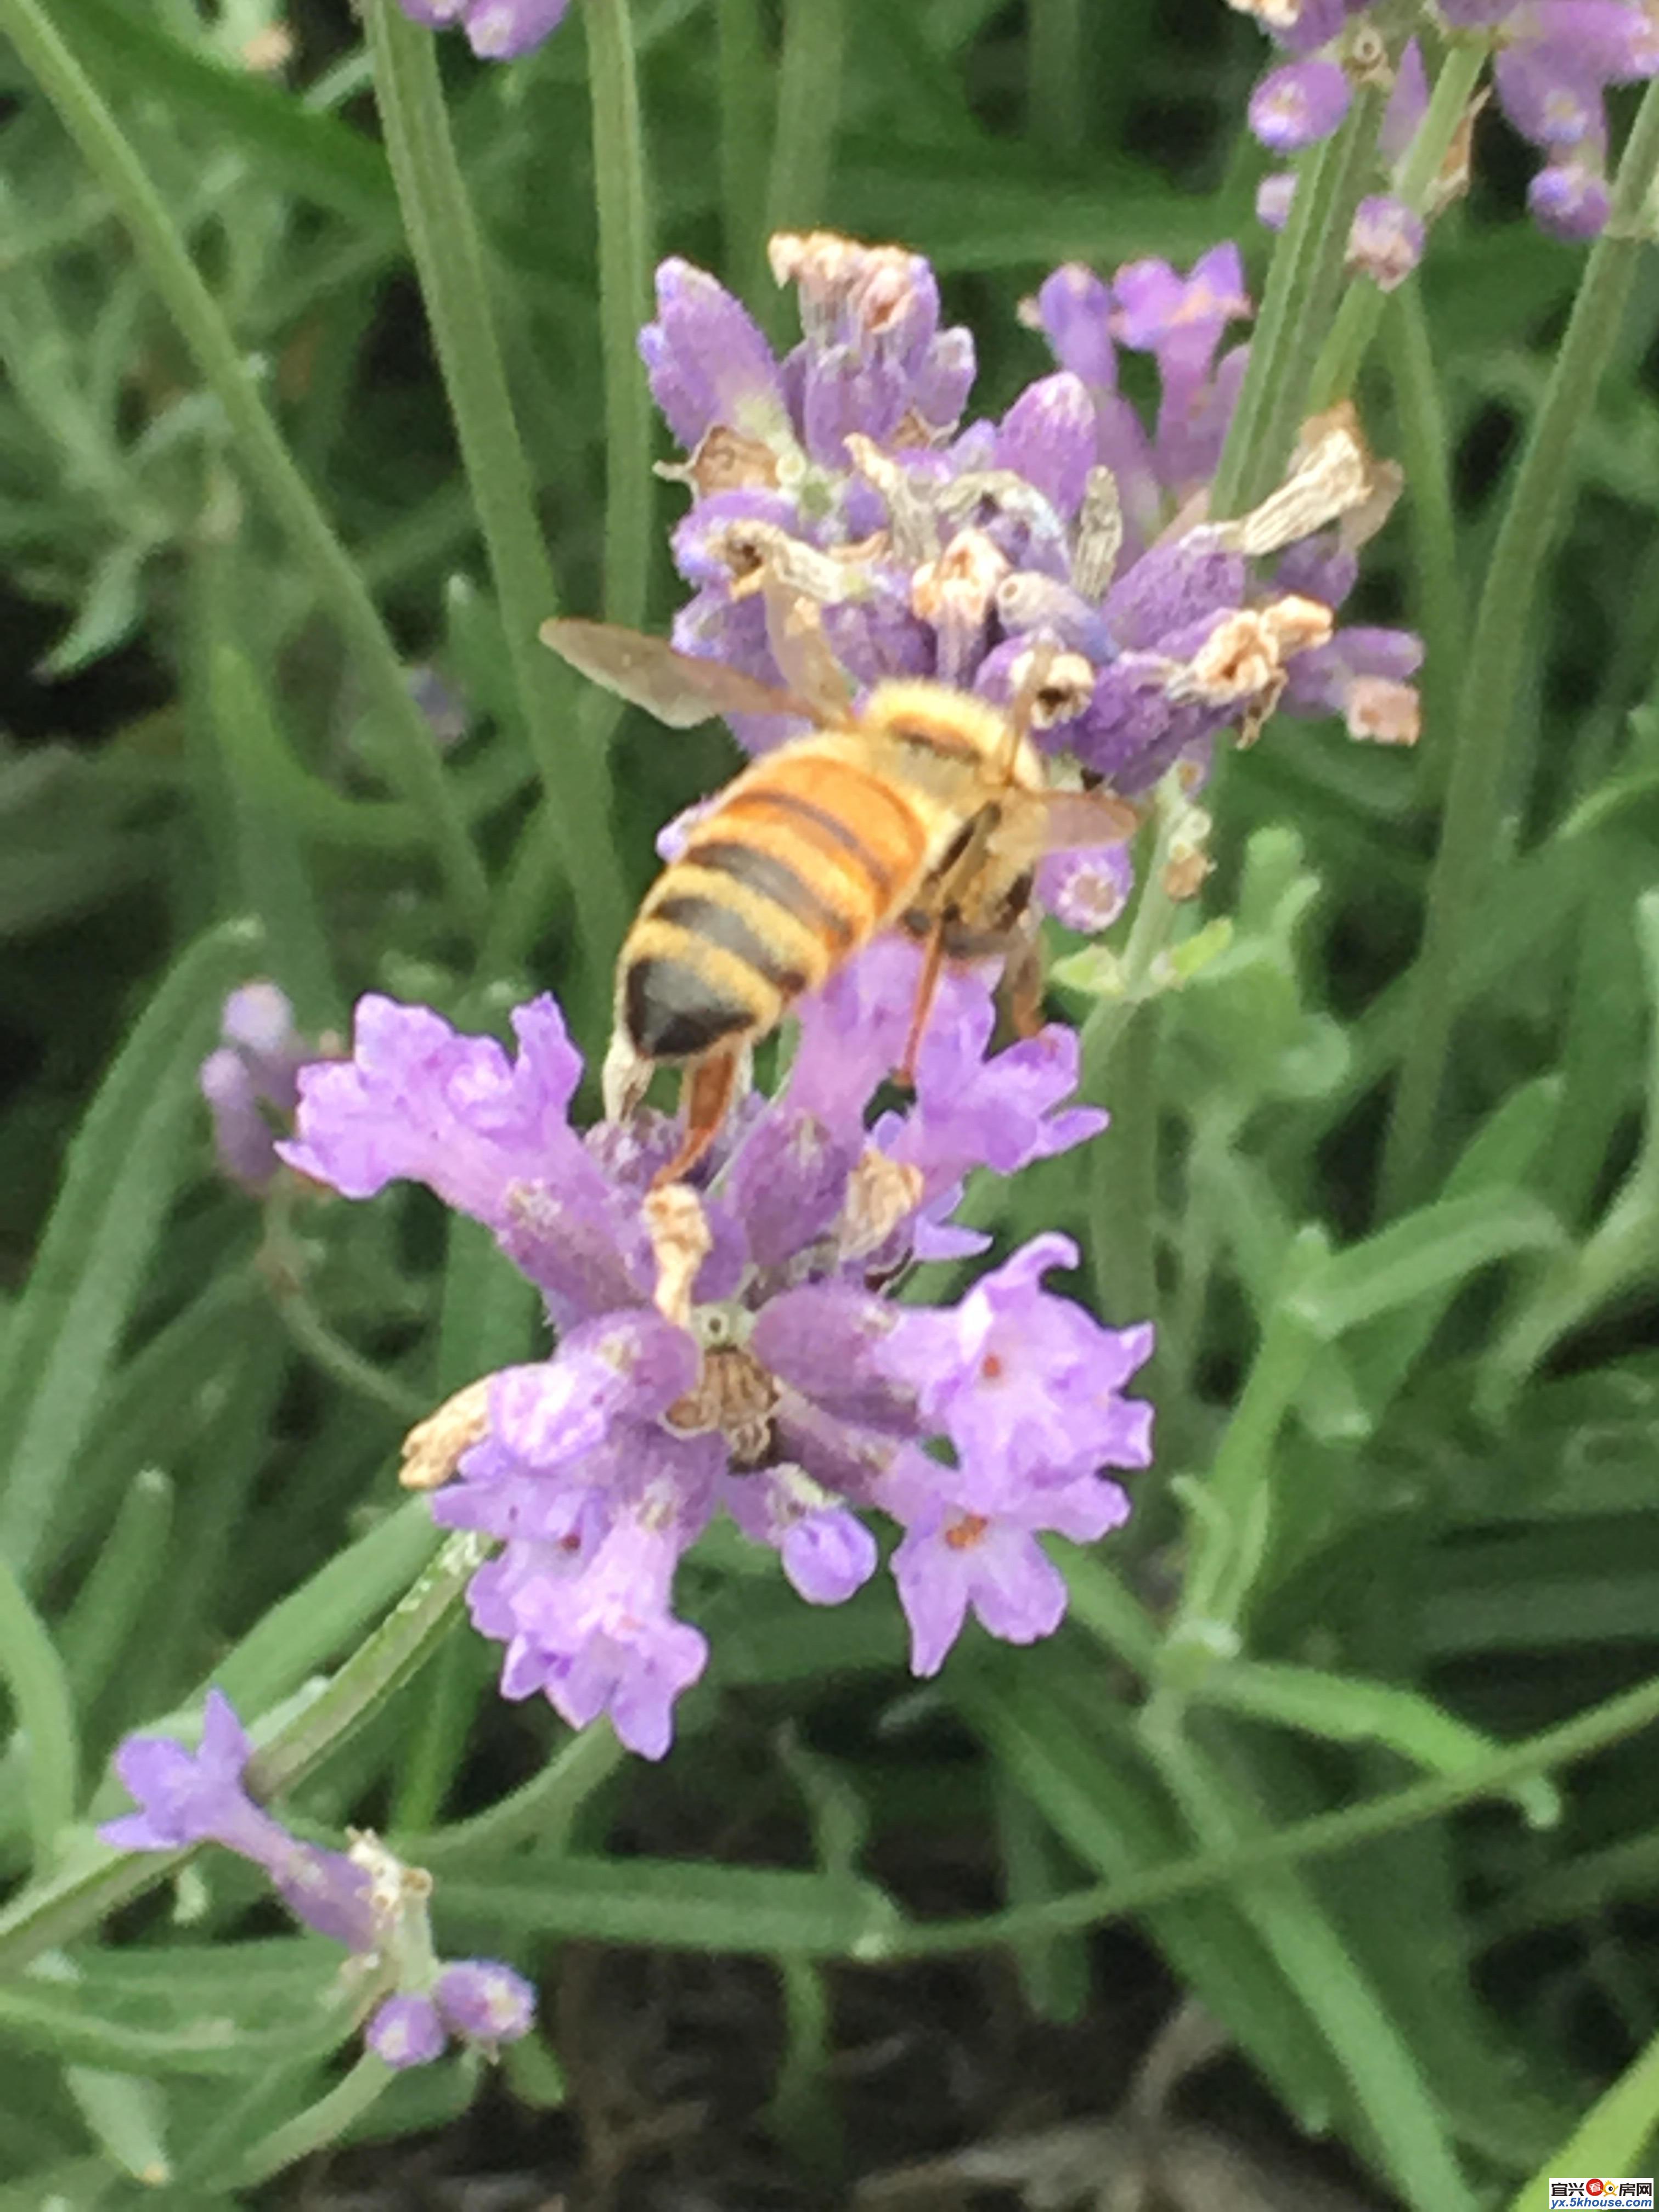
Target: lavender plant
x,y
723,1470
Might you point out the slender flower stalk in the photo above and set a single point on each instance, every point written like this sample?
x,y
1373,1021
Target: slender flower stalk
x,y
449,259
1350,336
1470,830
412,758
1303,279
622,204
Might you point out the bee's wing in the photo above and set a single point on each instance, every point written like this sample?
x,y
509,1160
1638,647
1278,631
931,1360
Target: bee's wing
x,y
1064,821
794,630
678,687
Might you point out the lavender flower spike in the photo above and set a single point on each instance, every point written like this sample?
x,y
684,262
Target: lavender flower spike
x,y
1295,106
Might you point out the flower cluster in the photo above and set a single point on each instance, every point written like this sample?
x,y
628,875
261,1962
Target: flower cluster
x,y
726,1346
250,1082
363,1899
1554,61
844,477
496,30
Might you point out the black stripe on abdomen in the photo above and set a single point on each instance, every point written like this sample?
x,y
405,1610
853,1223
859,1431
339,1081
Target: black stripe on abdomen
x,y
673,1013
775,880
830,831
714,924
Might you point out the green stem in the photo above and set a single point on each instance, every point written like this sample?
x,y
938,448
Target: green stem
x,y
1123,1176
319,2124
1230,1525
1500,1775
1470,830
40,1697
619,192
448,256
1438,599
1349,340
257,441
542,1810
1301,289
1057,99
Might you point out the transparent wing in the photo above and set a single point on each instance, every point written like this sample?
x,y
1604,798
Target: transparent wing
x,y
794,630
1063,822
676,687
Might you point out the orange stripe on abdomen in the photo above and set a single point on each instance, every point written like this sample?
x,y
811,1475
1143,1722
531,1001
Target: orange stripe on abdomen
x,y
846,833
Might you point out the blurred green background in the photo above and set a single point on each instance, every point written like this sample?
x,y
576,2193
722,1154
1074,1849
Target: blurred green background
x,y
1459,1428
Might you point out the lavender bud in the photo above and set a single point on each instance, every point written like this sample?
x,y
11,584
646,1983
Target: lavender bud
x,y
1298,105
406,2030
485,2001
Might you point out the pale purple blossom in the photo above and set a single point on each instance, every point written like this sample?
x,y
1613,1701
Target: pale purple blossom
x,y
777,1394
1386,240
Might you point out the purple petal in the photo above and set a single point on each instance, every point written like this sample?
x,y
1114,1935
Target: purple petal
x,y
485,2001
1386,242
826,1340
788,1181
707,362
1048,437
553,1411
1074,308
1569,202
1407,103
1552,100
1273,196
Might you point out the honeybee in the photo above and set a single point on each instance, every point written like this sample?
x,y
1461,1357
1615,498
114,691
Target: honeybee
x,y
926,809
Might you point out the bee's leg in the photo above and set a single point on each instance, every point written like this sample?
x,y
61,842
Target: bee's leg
x,y
706,1093
933,962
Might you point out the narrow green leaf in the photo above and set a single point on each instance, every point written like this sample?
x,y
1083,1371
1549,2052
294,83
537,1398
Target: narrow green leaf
x,y
276,882
45,1707
1362,2035
1615,2136
687,1905
1344,1710
128,2117
1430,1252
124,1165
114,1593
321,158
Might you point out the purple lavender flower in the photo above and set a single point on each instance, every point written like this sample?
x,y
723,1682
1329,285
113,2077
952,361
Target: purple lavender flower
x,y
250,1082
941,549
724,1349
496,30
366,1900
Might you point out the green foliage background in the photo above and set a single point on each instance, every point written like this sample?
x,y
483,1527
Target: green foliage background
x,y
1399,1553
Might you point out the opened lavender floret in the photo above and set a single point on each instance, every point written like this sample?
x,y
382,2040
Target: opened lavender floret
x,y
364,1899
726,1347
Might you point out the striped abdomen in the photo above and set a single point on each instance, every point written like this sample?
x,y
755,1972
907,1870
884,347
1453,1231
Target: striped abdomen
x,y
806,856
